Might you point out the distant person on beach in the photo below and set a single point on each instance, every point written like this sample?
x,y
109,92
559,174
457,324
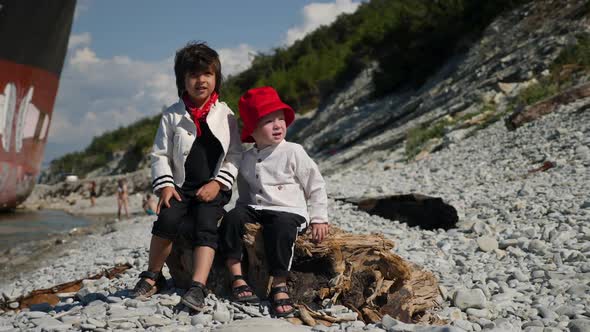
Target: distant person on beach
x,y
195,159
276,182
122,198
149,205
92,193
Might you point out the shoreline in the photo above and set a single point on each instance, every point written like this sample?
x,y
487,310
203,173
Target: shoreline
x,y
28,256
33,254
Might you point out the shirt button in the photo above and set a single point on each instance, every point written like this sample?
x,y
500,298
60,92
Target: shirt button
x,y
190,134
258,201
257,176
185,153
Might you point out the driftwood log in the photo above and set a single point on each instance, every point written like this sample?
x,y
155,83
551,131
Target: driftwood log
x,y
358,271
413,209
530,113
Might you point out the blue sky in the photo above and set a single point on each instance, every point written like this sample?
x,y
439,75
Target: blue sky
x,y
119,63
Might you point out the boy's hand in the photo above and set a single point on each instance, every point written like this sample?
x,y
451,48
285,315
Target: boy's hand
x,y
319,231
167,194
209,191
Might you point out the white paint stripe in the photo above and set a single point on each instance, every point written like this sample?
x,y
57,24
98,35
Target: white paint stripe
x,y
292,253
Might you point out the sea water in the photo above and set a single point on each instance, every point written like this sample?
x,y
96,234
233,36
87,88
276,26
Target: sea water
x,y
24,226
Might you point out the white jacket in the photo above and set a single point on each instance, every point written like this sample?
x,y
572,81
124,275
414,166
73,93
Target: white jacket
x,y
283,177
175,138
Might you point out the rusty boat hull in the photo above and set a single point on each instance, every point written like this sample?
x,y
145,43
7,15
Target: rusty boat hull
x,y
34,37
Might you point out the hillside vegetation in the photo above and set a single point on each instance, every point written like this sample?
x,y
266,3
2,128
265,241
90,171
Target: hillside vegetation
x,y
408,39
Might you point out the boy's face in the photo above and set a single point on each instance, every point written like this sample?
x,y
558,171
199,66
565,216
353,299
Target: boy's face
x,y
200,85
271,129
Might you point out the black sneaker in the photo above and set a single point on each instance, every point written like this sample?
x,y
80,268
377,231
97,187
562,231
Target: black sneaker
x,y
194,297
143,289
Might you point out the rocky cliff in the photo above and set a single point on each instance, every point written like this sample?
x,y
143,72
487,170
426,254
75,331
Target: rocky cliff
x,y
516,51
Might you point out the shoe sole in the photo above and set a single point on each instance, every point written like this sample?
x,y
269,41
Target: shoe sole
x,y
155,289
192,306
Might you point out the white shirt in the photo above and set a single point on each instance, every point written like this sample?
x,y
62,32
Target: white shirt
x,y
283,177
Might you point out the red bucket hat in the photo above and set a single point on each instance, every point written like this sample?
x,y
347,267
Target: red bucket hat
x,y
255,104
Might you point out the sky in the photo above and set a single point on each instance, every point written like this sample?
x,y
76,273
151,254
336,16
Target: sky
x,y
119,64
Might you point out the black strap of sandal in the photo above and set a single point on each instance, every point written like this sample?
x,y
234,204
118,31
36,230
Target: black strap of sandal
x,y
279,289
241,289
239,277
149,275
281,302
200,285
143,287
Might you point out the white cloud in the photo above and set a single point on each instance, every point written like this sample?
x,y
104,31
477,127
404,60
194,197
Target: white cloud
x,y
83,59
78,40
235,60
100,94
317,14
81,7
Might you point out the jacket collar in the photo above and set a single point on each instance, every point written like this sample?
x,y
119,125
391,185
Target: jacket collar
x,y
214,109
267,150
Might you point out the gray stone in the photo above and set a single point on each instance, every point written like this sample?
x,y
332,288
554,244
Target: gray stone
x,y
50,323
387,322
479,313
201,318
520,276
155,320
579,325
96,322
320,328
126,326
534,329
36,314
347,316
487,243
578,290
566,310
537,246
87,327
402,327
95,310
547,313
463,324
221,313
445,328
469,298
260,325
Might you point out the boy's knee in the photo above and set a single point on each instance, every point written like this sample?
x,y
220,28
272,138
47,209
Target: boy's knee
x,y
206,238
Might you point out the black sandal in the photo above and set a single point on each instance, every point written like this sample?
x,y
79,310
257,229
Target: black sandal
x,y
143,289
282,302
236,291
194,297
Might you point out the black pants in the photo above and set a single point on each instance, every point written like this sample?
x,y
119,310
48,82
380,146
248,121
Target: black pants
x,y
279,233
199,218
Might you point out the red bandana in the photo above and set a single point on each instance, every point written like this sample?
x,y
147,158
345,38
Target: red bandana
x,y
199,114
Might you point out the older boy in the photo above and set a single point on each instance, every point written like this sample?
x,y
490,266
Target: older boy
x,y
276,181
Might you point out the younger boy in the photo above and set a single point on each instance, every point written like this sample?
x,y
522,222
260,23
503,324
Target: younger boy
x,y
276,181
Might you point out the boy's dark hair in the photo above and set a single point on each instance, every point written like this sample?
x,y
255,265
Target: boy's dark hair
x,y
196,57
